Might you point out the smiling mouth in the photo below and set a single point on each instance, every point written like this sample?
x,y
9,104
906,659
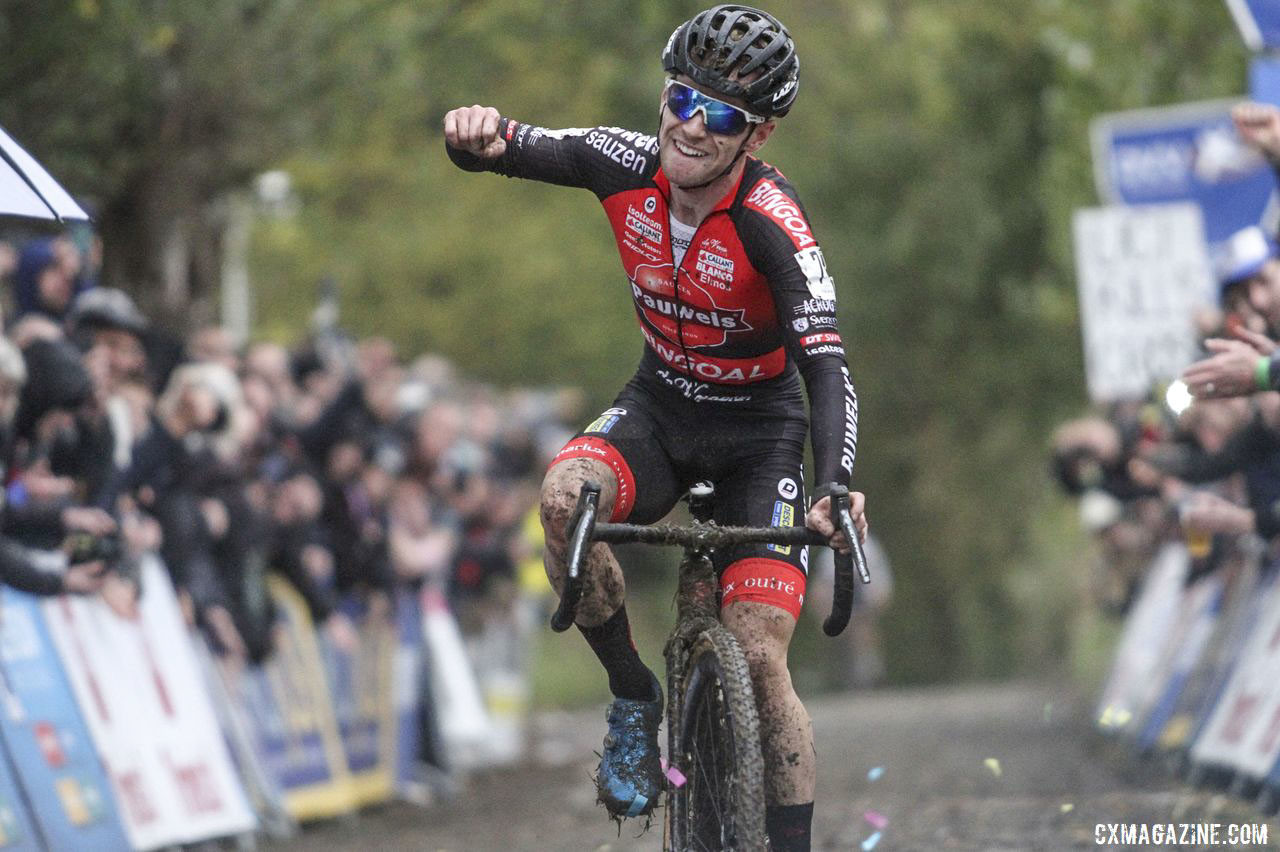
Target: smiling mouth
x,y
686,150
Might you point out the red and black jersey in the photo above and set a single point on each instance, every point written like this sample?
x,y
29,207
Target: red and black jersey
x,y
749,304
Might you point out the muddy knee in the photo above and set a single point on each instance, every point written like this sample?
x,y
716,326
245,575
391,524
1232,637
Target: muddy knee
x,y
560,489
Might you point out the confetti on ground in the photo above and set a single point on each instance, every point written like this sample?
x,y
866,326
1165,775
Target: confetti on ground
x,y
874,774
994,765
877,820
870,842
1066,807
1114,717
674,775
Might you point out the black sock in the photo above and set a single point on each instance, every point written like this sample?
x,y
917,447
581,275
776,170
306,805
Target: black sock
x,y
788,826
629,677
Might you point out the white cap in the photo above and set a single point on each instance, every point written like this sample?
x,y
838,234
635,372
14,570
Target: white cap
x,y
1241,255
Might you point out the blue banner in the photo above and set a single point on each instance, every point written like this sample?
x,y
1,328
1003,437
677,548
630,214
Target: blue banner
x,y
1264,79
408,680
1258,22
46,738
17,828
1189,152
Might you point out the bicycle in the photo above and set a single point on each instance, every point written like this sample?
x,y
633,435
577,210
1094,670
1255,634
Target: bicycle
x,y
713,736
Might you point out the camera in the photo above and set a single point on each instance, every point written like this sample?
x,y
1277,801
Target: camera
x,y
107,549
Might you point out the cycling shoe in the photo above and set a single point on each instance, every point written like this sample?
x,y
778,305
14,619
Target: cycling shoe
x,y
630,776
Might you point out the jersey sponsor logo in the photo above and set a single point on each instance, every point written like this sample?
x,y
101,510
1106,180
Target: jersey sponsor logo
x,y
787,488
709,317
814,267
784,515
825,350
524,129
603,423
617,150
511,129
765,580
850,446
643,141
801,324
645,226
539,132
713,269
825,337
737,371
655,279
587,446
777,205
815,306
650,204
697,391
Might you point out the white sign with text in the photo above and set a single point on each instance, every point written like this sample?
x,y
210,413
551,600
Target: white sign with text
x,y
1142,272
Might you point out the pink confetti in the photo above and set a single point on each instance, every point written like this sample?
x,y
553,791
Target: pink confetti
x,y
674,775
876,819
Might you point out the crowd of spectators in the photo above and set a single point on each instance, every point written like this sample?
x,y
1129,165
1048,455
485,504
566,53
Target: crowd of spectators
x,y
334,464
1199,459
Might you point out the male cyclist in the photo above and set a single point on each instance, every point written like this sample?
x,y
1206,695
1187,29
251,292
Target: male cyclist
x,y
735,306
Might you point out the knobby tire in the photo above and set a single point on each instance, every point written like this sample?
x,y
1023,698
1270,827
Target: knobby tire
x,y
717,747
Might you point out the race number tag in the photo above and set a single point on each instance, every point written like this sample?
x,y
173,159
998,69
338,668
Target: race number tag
x,y
814,267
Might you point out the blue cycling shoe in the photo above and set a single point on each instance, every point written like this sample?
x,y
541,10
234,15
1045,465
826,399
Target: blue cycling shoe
x,y
630,776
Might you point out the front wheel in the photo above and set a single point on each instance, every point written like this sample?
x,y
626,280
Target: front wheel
x,y
716,745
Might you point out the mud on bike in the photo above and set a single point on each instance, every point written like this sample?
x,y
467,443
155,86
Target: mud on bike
x,y
715,795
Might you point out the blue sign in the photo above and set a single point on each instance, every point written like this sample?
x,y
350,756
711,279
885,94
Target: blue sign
x,y
46,737
1189,152
17,828
1258,22
1264,79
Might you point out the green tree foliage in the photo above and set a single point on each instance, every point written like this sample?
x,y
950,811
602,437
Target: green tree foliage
x,y
939,148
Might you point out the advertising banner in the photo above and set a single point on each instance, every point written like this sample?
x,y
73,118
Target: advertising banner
x,y
150,715
18,831
465,726
360,684
1141,273
1243,731
1147,632
1258,22
407,683
1236,611
1198,617
1185,153
46,736
291,713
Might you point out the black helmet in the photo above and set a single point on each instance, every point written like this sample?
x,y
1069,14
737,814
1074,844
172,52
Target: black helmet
x,y
728,40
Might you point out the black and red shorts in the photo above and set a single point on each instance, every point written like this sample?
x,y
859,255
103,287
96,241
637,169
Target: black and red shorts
x,y
659,443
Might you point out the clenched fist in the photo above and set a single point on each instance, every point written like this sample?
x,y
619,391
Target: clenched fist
x,y
474,129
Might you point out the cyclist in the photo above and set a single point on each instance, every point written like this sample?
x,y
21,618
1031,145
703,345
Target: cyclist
x,y
735,306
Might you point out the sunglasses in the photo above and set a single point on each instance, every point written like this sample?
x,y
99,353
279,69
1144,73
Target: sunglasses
x,y
719,117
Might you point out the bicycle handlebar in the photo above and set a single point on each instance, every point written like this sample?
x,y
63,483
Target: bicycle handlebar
x,y
697,534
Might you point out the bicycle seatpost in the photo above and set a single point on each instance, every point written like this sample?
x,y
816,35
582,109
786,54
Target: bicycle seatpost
x,y
846,564
581,524
700,501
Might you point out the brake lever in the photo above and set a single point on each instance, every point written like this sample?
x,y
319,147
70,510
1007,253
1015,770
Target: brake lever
x,y
845,564
583,524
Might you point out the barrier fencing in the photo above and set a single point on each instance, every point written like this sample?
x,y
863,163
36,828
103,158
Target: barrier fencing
x,y
121,734
1196,674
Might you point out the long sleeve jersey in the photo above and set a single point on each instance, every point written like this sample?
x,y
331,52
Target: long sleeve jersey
x,y
746,305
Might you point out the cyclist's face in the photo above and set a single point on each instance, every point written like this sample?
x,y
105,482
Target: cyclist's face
x,y
690,154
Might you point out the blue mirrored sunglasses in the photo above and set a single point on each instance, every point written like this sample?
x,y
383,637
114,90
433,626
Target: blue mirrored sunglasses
x,y
718,116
